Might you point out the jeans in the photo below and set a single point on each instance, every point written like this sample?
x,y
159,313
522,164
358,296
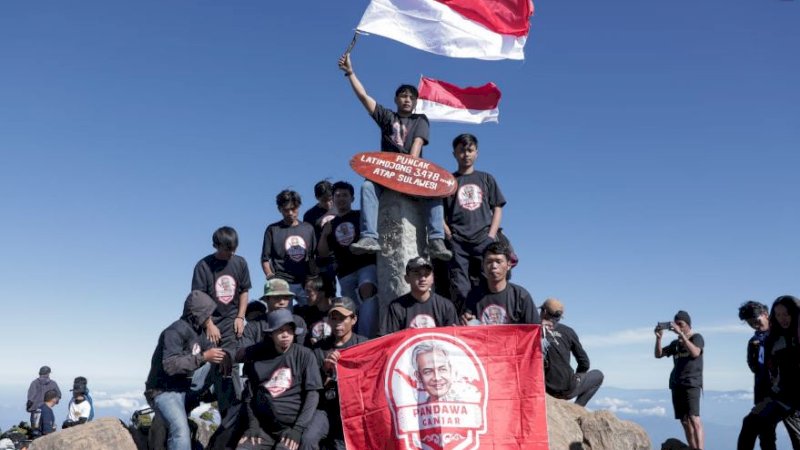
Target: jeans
x,y
463,253
300,297
588,385
170,405
367,324
350,283
371,192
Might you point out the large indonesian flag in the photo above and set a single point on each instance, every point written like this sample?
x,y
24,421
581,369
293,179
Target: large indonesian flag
x,y
447,102
452,388
482,29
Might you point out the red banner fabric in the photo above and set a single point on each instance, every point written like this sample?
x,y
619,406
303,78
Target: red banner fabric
x,y
451,388
510,17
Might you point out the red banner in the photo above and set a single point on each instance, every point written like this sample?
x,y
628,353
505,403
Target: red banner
x,y
451,388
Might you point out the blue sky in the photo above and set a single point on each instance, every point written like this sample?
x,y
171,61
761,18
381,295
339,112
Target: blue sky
x,y
647,152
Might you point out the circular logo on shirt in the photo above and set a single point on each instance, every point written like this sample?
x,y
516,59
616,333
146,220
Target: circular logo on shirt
x,y
225,288
279,382
494,315
296,248
325,219
321,330
345,233
422,321
470,197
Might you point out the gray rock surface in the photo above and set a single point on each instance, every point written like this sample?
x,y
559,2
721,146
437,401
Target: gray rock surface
x,y
401,227
572,427
100,434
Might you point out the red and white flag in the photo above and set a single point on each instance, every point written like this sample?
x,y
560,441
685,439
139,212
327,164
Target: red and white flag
x,y
482,29
447,102
450,388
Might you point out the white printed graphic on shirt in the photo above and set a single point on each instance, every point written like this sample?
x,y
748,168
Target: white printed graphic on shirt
x,y
470,197
321,330
345,233
325,219
279,382
225,288
399,133
196,349
296,248
494,315
422,321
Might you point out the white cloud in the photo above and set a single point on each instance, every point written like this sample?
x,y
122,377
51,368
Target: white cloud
x,y
634,336
125,402
617,405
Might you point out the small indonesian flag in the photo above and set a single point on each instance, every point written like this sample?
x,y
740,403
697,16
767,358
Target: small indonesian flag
x,y
449,388
482,29
447,102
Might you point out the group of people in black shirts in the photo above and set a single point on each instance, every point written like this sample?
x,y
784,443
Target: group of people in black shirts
x,y
290,400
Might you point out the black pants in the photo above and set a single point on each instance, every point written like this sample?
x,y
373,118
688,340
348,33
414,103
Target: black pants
x,y
764,417
463,253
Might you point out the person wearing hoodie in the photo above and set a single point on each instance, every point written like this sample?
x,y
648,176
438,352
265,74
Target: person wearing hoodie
x,y
180,351
36,391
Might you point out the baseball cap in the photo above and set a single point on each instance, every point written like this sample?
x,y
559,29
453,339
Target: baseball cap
x,y
276,287
344,305
417,263
279,318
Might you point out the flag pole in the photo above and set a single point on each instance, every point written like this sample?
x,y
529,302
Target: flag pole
x,y
352,43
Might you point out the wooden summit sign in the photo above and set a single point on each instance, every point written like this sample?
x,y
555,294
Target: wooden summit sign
x,y
404,173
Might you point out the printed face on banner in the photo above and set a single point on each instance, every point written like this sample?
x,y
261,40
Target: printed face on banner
x,y
296,248
437,391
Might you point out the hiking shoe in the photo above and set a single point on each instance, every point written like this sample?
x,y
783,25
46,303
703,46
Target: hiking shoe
x,y
437,250
365,245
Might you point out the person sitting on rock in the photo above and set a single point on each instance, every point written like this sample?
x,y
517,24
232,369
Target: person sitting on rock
x,y
420,308
290,246
80,410
559,341
401,132
179,352
472,214
498,301
315,314
343,317
47,423
284,390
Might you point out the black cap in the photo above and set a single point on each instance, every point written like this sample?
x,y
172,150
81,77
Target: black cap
x,y
44,370
279,318
417,263
344,305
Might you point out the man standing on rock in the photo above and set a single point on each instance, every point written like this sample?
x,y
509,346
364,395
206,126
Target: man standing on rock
x,y
36,392
559,341
686,379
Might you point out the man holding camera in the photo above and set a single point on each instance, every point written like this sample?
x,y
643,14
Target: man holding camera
x,y
686,379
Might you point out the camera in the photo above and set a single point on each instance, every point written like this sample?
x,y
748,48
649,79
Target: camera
x,y
664,326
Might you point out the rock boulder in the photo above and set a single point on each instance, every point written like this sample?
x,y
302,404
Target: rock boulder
x,y
99,434
572,427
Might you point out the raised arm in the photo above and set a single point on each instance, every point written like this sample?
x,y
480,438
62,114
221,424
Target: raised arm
x,y
347,67
658,351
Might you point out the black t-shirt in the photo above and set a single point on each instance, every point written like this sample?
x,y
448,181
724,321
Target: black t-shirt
x,y
317,216
319,327
560,343
406,312
223,280
469,211
512,305
398,133
344,231
687,371
329,400
278,382
290,250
